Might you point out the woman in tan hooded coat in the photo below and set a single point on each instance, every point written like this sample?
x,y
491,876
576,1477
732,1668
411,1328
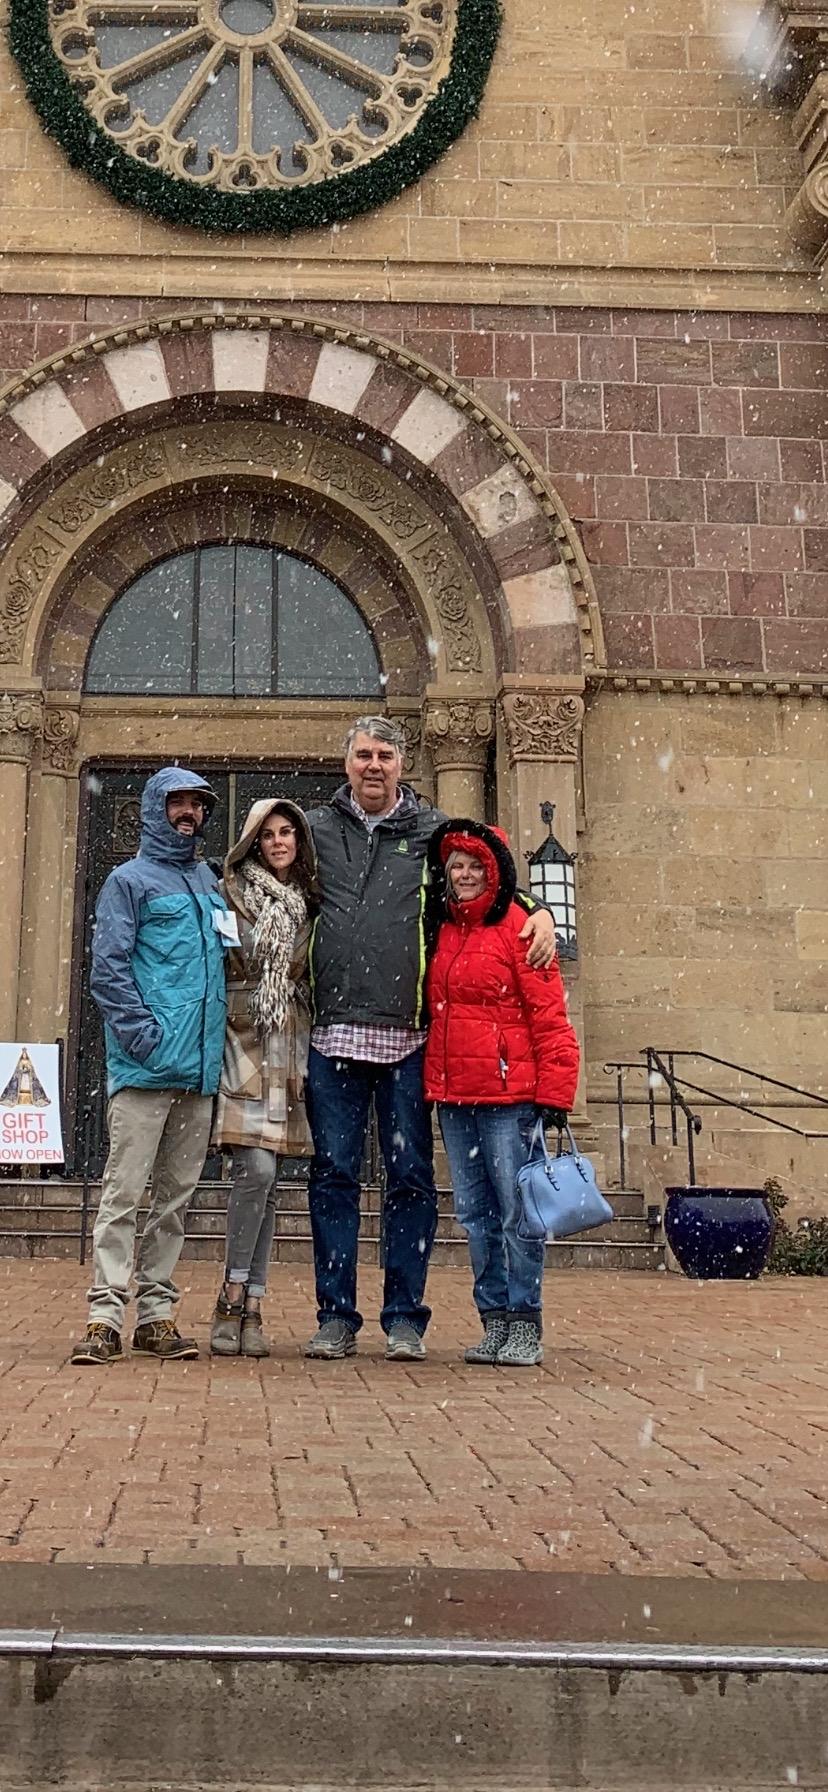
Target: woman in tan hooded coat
x,y
270,888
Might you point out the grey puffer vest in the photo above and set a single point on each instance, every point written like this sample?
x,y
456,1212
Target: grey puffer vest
x,y
368,949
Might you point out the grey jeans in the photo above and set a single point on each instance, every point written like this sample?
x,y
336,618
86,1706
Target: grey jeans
x,y
157,1135
251,1217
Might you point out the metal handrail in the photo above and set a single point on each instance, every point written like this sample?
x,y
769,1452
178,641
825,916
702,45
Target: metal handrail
x,y
693,1122
741,1107
759,1076
660,1064
654,1064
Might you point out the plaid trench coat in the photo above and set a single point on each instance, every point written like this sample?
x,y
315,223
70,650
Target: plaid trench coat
x,y
260,1100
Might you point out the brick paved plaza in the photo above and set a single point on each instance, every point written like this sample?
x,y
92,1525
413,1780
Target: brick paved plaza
x,y
673,1429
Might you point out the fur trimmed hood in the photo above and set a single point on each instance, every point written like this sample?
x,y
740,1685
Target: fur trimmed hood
x,y
491,846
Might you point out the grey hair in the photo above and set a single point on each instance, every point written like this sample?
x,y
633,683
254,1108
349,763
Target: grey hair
x,y
377,728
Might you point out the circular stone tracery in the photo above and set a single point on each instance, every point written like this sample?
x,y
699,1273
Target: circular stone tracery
x,y
223,103
249,93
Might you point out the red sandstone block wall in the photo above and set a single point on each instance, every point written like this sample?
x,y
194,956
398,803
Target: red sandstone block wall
x,y
690,448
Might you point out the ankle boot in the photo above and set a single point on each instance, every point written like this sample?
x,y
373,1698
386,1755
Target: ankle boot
x,y
225,1331
253,1340
494,1337
523,1348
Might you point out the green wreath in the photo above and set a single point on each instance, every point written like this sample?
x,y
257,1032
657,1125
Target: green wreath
x,y
331,200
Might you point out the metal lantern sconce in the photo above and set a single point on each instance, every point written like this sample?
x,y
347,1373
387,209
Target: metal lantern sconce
x,y
552,880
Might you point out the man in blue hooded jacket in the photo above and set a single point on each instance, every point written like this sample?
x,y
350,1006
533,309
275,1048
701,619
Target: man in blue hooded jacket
x,y
158,978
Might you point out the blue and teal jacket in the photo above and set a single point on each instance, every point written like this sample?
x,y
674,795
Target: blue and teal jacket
x,y
157,959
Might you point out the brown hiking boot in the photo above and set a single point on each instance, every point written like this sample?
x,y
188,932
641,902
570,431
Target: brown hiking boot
x,y
160,1337
101,1344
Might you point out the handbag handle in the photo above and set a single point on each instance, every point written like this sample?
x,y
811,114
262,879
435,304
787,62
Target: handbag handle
x,y
572,1145
538,1139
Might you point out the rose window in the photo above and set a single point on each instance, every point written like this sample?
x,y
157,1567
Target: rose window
x,y
232,99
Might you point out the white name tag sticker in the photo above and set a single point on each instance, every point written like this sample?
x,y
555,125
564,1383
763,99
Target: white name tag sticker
x,y
225,923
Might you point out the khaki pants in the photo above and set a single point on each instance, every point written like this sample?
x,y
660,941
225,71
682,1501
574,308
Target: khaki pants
x,y
157,1134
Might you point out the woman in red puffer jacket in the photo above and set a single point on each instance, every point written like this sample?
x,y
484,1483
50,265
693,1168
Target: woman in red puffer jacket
x,y
500,1048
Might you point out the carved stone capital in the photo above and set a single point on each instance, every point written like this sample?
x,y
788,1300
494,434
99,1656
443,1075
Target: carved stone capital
x,y
458,734
20,725
60,733
542,725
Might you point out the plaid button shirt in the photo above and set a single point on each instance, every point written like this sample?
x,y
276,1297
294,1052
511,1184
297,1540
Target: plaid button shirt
x,y
369,1044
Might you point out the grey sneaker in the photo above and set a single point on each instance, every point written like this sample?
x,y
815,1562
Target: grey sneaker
x,y
334,1338
404,1342
523,1348
493,1340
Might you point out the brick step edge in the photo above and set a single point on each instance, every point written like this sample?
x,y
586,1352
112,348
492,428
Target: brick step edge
x,y
626,1207
448,1253
67,1223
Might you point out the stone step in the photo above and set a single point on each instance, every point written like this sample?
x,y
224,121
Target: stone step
x,y
427,1681
43,1219
210,1223
210,1199
448,1253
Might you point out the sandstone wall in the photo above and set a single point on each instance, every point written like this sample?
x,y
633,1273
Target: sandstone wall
x,y
703,903
610,138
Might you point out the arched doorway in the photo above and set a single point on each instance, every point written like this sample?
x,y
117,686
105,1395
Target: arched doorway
x,y
288,433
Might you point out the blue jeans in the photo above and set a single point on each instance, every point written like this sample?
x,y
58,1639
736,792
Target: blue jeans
x,y
486,1147
338,1094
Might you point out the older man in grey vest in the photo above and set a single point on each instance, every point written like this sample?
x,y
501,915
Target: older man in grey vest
x,y
367,964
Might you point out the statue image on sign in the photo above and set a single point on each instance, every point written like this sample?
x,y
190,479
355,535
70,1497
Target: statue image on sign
x,y
24,1088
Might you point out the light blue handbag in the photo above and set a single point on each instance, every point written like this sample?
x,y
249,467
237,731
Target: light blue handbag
x,y
559,1196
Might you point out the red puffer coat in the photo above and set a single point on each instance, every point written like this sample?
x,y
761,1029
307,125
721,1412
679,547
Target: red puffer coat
x,y
499,1032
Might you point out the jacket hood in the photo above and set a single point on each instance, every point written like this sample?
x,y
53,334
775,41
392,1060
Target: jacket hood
x,y
159,840
256,818
409,807
489,844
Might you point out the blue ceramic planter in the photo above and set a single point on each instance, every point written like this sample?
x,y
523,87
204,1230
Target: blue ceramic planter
x,y
719,1234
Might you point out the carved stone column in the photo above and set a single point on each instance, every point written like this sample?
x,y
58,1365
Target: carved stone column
x,y
49,883
458,733
20,725
542,730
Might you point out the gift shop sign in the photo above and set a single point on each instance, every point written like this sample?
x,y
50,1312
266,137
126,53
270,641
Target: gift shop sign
x,y
30,1105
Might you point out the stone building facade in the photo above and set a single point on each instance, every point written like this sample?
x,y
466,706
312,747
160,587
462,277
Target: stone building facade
x,y
554,421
